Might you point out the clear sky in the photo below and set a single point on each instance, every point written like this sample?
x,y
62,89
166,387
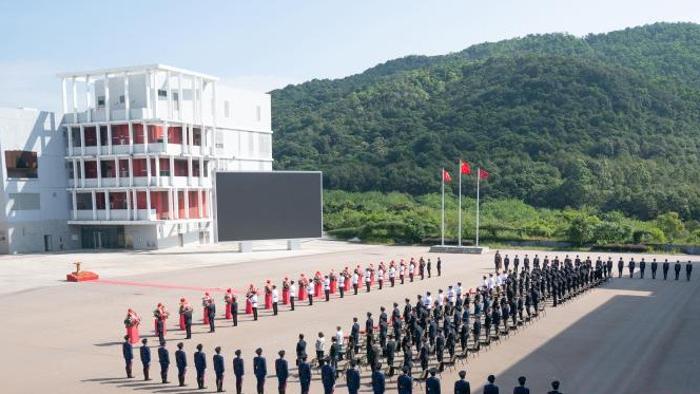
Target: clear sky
x,y
266,44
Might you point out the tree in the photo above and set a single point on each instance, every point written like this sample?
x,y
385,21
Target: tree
x,y
581,228
671,224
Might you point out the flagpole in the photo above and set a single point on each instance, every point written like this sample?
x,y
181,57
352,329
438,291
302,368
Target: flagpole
x,y
442,227
478,176
459,226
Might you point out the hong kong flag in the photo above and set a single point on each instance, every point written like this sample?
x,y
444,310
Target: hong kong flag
x,y
483,174
464,168
446,176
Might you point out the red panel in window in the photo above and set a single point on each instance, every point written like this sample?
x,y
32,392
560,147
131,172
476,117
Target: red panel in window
x,y
141,202
205,213
90,136
100,200
117,200
137,129
155,134
175,135
180,167
181,204
120,134
194,198
159,202
139,167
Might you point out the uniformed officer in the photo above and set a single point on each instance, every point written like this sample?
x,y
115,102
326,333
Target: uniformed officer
x,y
275,299
555,388
260,370
327,288
292,294
211,311
654,267
429,267
145,355
631,266
219,369
234,310
405,382
462,386
310,292
181,363
432,384
238,371
677,268
304,375
282,372
300,349
378,380
352,377
521,389
490,387
253,298
642,268
128,353
497,261
341,284
328,378
200,364
620,266
187,314
164,361
688,270
665,268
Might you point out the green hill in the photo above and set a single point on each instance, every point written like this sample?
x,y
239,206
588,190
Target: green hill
x,y
609,121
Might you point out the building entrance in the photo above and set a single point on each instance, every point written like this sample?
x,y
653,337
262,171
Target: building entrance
x,y
102,237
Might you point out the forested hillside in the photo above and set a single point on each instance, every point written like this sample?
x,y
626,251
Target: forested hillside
x,y
610,122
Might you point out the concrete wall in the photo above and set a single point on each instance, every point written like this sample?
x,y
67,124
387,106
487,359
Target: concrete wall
x,y
141,237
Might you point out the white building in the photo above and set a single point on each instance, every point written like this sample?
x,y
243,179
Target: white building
x,y
139,147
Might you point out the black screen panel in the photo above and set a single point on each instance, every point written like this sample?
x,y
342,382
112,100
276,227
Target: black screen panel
x,y
268,205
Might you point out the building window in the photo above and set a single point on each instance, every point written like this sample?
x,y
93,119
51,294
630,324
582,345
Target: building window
x,y
258,113
24,201
21,164
121,99
100,101
227,109
162,93
219,140
176,101
83,200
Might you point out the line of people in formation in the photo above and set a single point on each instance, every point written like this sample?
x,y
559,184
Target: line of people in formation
x,y
503,263
433,328
306,288
329,372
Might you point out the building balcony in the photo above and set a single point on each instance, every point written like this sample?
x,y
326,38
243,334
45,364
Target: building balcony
x,y
138,148
142,181
116,215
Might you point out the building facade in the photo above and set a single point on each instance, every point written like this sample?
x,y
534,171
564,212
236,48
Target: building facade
x,y
139,148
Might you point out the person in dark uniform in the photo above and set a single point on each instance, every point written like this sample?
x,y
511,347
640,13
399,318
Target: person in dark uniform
x,y
555,388
282,372
260,370
188,322
677,268
405,382
238,371
352,377
234,310
688,270
328,378
432,384
497,261
164,361
304,375
181,363
631,266
490,387
145,355
664,267
654,267
378,380
211,311
219,369
521,389
620,266
642,268
128,353
438,265
462,386
429,267
301,348
200,364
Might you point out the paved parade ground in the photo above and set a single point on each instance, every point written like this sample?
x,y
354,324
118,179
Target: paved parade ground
x,y
628,336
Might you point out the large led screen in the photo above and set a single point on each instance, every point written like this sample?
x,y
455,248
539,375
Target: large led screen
x,y
269,205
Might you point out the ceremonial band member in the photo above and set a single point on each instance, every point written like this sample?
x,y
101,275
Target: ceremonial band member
x,y
333,281
411,269
164,361
327,288
318,284
219,368
248,294
254,304
402,271
268,294
181,310
128,353
292,294
181,363
355,280
302,287
285,291
228,300
206,300
368,279
341,284
346,274
239,370
145,355
275,299
131,323
392,273
160,314
310,292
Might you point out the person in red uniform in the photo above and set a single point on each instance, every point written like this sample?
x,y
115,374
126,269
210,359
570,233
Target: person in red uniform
x,y
371,275
160,315
248,305
334,281
131,323
303,281
206,300
181,312
268,294
285,291
318,284
346,273
228,300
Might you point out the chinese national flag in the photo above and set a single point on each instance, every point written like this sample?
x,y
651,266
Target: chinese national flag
x,y
464,168
483,174
446,176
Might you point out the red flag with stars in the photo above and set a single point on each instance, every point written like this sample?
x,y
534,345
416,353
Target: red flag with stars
x,y
464,168
446,176
483,174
